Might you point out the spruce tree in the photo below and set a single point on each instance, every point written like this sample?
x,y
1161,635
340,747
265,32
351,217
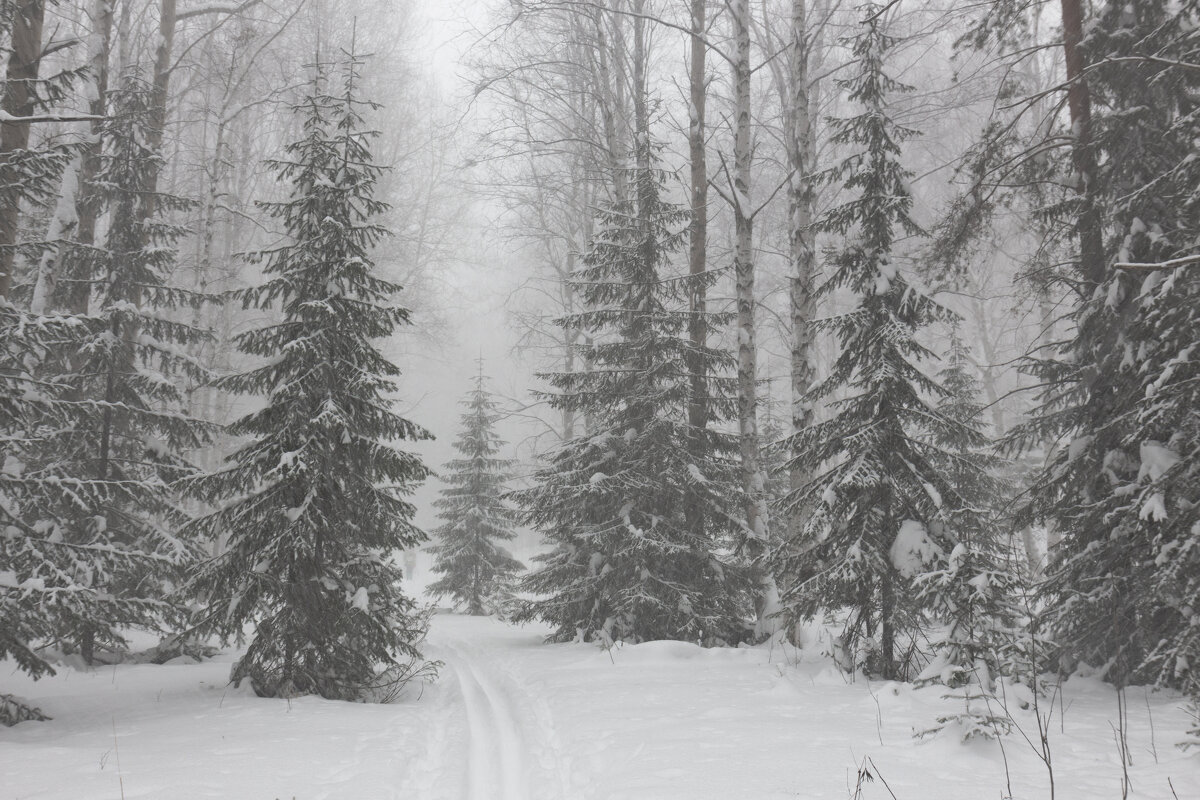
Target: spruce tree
x,y
100,458
26,611
29,177
477,571
313,504
1123,491
875,506
629,560
972,590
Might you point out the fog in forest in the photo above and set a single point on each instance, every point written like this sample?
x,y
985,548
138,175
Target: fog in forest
x,y
599,398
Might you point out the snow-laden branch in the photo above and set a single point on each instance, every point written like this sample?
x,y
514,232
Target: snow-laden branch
x,y
9,119
216,9
1182,261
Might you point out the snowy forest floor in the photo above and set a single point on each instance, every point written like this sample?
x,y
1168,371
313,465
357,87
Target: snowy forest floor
x,y
513,719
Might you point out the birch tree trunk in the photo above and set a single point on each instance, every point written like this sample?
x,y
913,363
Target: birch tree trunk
x,y
61,225
801,147
758,518
641,125
698,227
697,409
159,87
19,97
75,268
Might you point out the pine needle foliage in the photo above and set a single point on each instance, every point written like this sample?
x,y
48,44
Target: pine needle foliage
x,y
313,503
95,434
1121,395
113,438
972,590
36,564
477,571
875,509
629,561
38,568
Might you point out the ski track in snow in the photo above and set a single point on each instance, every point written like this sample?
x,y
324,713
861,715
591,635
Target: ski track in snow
x,y
513,718
513,752
496,762
428,775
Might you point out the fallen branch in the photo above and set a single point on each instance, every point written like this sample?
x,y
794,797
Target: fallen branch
x,y
13,711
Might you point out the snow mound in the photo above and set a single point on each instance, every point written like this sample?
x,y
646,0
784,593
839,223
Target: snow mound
x,y
913,550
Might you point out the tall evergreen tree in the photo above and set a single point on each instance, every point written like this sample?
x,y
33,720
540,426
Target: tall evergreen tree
x,y
313,504
102,456
477,571
875,505
1124,493
26,598
629,561
29,177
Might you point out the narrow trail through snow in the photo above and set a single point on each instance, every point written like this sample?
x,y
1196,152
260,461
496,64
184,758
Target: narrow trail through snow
x,y
509,746
496,765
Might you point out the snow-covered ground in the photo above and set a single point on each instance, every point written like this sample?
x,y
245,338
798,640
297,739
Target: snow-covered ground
x,y
513,719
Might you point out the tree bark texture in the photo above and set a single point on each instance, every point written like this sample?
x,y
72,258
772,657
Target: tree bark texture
x,y
801,147
698,226
20,98
758,520
75,288
1079,103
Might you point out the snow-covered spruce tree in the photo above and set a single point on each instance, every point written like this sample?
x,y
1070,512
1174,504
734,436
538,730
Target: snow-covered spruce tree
x,y
313,504
971,590
28,179
876,505
629,562
24,611
1124,492
49,580
477,571
46,577
99,462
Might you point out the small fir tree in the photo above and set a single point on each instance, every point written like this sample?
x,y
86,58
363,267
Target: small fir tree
x,y
973,589
477,571
875,508
313,504
640,508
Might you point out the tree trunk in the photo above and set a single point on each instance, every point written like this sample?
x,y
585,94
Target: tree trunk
x,y
87,645
887,638
758,520
987,370
641,122
61,225
158,104
698,227
19,98
697,410
610,60
1091,240
801,149
76,268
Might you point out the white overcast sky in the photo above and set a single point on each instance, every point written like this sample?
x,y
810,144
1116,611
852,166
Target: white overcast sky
x,y
474,294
